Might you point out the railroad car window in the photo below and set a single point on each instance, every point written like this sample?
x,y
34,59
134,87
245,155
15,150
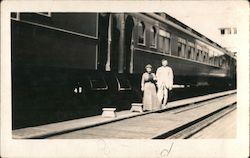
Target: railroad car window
x,y
189,54
192,53
183,50
224,63
164,41
181,47
214,58
190,50
161,43
199,54
205,54
211,58
98,83
205,57
167,45
218,58
201,57
123,83
153,36
220,61
216,61
227,63
141,33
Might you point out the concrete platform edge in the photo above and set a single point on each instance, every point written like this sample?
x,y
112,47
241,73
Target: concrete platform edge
x,y
51,133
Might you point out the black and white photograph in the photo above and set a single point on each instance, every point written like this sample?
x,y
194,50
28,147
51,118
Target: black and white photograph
x,y
99,75
118,75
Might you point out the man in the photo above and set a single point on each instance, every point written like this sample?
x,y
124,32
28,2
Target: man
x,y
164,75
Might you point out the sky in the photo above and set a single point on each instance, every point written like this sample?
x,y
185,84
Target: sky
x,y
207,17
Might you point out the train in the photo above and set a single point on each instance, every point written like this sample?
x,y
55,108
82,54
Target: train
x,y
71,65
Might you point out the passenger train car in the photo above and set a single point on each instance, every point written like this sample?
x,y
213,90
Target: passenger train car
x,y
71,65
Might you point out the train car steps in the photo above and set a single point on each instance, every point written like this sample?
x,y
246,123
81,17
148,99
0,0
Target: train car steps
x,y
108,112
137,107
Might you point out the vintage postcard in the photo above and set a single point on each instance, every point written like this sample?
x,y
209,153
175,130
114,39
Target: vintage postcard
x,y
124,79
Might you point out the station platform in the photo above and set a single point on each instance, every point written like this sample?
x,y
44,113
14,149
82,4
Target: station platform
x,y
49,130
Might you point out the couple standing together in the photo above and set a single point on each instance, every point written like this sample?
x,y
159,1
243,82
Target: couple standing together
x,y
153,100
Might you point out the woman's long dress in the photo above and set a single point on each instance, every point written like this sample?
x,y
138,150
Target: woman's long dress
x,y
150,100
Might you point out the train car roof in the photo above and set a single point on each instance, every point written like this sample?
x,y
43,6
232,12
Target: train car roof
x,y
181,26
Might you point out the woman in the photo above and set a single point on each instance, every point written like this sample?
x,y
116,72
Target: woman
x,y
150,100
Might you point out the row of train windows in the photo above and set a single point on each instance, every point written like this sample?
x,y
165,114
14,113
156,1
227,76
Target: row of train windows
x,y
188,52
164,38
184,50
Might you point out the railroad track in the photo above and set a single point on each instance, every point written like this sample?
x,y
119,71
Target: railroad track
x,y
182,121
191,128
188,130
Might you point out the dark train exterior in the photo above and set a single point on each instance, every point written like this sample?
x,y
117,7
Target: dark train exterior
x,y
71,65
